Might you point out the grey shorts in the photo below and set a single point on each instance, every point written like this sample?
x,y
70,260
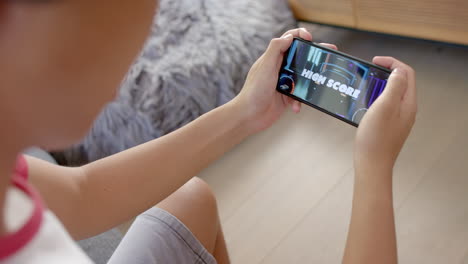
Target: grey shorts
x,y
158,237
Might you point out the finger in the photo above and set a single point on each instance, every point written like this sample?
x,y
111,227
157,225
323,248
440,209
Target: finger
x,y
328,45
392,63
275,50
286,100
397,85
296,106
387,62
299,32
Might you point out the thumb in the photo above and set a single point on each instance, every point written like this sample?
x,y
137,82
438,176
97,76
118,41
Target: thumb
x,y
396,85
277,47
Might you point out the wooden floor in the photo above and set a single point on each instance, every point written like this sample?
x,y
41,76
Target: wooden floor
x,y
285,194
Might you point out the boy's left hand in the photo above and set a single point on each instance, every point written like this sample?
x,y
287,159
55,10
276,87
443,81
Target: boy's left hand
x,y
259,100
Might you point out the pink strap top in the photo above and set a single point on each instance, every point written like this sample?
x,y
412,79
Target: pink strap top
x,y
11,243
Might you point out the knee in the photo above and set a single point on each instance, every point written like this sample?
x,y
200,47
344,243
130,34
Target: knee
x,y
201,196
194,204
194,197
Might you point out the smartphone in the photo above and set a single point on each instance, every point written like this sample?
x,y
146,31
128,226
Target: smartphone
x,y
331,81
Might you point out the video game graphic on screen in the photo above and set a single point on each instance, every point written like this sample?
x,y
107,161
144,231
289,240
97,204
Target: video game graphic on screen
x,y
340,85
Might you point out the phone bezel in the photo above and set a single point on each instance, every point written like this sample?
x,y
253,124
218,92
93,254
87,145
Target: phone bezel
x,y
332,51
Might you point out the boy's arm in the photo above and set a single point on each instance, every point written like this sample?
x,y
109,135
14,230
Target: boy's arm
x,y
379,139
371,236
105,193
102,194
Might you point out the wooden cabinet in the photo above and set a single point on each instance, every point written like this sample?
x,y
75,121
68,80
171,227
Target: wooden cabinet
x,y
441,20
334,12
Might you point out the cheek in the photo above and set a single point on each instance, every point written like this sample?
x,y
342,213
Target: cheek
x,y
72,73
97,54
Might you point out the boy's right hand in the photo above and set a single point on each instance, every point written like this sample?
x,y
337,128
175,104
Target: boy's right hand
x,y
386,126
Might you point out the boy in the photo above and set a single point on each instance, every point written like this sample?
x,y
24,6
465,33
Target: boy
x,y
55,54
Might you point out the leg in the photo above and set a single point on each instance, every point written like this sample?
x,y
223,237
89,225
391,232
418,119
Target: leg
x,y
194,204
184,228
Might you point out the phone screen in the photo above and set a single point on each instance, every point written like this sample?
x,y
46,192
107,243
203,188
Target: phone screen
x,y
333,82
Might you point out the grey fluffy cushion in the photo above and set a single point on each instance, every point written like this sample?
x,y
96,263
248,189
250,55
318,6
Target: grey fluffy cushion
x,y
196,59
